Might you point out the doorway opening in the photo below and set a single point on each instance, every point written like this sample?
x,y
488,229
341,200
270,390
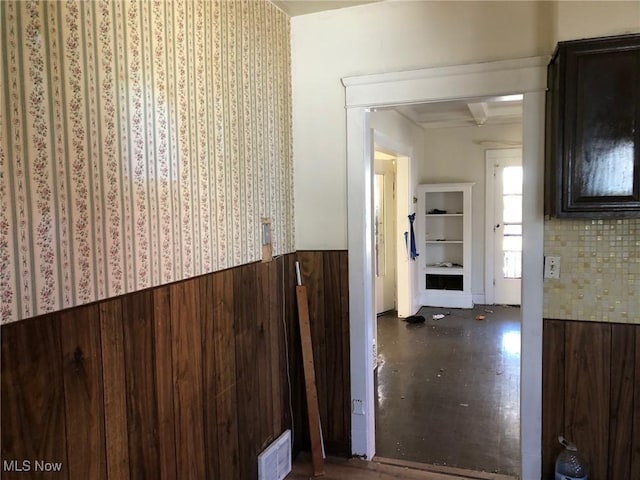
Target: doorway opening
x,y
385,222
433,85
447,391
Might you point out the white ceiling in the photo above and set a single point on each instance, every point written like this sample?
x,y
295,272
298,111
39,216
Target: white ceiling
x,y
462,113
303,7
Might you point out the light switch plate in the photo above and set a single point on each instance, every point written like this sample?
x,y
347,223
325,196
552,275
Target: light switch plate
x,y
552,267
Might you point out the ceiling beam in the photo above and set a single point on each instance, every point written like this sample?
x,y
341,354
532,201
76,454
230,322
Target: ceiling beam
x,y
479,111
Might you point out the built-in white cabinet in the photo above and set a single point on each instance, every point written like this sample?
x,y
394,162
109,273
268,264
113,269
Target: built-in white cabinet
x,y
443,241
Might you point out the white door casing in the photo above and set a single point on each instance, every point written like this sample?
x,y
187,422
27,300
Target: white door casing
x,y
526,76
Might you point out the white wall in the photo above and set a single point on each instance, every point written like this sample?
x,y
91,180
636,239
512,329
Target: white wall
x,y
452,156
382,37
396,36
573,20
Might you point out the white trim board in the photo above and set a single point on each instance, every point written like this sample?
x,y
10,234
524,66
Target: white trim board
x,y
527,76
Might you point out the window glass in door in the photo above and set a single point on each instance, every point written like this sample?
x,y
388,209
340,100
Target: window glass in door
x,y
512,222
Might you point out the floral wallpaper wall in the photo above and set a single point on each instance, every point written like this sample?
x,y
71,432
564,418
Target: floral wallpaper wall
x,y
140,143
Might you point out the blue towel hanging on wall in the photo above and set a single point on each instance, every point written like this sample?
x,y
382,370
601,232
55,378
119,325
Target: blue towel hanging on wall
x,y
412,250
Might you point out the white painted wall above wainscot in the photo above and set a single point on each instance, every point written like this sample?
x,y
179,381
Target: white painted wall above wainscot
x,y
377,38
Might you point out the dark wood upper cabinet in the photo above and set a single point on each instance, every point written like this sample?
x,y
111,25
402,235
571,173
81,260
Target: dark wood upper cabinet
x,y
593,128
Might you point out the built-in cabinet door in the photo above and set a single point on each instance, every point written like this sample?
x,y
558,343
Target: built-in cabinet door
x,y
594,128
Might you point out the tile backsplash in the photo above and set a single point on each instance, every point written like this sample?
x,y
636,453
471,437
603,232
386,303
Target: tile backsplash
x,y
599,270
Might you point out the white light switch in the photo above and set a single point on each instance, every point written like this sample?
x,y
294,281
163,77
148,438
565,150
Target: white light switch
x,y
551,267
357,407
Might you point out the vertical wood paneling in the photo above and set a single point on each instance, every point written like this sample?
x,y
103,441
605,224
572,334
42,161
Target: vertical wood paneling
x,y
207,317
142,411
182,381
263,352
84,396
115,388
279,394
587,383
553,373
164,382
224,366
187,379
345,368
313,275
33,413
301,428
635,422
621,400
597,400
247,384
326,277
336,332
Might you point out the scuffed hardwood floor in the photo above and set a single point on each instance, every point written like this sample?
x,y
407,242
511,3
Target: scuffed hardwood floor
x,y
384,469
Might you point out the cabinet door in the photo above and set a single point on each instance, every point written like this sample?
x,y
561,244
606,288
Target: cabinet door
x,y
599,127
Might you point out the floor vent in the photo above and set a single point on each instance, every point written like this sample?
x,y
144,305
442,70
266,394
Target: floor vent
x,y
274,463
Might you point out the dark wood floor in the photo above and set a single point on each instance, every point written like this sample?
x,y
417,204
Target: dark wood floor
x,y
448,389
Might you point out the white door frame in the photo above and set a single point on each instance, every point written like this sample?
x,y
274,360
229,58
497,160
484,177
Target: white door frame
x,y
491,156
522,76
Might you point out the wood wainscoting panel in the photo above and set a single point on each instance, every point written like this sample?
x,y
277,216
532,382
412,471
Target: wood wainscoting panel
x,y
220,361
187,380
163,344
115,390
635,439
587,409
208,317
591,380
140,374
325,275
33,409
553,373
83,392
623,349
247,338
338,395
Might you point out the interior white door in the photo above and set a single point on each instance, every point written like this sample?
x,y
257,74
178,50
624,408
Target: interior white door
x,y
385,227
507,227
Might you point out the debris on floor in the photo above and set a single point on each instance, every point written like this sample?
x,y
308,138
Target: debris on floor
x,y
480,317
414,319
439,316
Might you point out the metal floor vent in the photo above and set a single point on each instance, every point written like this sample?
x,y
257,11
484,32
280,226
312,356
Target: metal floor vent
x,y
274,463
